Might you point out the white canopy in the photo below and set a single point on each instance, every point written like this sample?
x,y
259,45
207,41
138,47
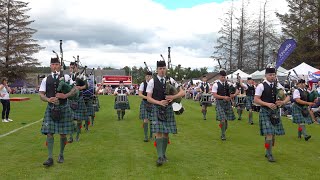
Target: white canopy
x,y
302,70
242,74
281,72
253,74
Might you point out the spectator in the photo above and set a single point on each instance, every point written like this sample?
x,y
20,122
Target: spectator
x,y
5,100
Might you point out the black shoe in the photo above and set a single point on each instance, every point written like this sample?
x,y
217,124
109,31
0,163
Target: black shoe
x,y
307,138
70,140
223,138
145,140
159,162
60,159
48,162
251,123
78,139
270,158
239,118
299,137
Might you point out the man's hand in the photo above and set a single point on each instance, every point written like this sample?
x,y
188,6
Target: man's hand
x,y
53,100
227,98
280,103
311,103
163,103
170,98
61,96
272,106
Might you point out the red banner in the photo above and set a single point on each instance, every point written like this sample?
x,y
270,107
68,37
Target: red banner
x,y
114,80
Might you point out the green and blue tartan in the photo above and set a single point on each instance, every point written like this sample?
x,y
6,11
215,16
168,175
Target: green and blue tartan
x,y
90,108
122,106
297,116
159,126
63,126
249,102
224,110
144,114
265,124
80,113
97,105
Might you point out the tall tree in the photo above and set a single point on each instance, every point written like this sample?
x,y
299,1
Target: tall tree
x,y
302,23
16,42
225,43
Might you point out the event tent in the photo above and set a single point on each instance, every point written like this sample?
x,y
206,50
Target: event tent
x,y
242,74
302,70
281,74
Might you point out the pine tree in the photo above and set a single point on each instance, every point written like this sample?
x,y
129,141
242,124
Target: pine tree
x,y
16,43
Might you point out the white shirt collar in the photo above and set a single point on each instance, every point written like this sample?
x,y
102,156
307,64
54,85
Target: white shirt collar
x,y
52,73
161,78
268,82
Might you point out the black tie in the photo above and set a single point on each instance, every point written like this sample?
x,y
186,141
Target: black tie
x,y
55,76
162,80
271,85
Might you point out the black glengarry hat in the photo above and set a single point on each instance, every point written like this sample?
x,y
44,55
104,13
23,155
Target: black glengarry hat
x,y
148,73
161,64
54,60
301,81
270,70
222,72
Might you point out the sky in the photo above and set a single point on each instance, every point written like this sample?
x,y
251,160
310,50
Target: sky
x,y
120,33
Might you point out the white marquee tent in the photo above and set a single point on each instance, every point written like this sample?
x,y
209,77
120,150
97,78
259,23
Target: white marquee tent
x,y
242,74
302,70
281,72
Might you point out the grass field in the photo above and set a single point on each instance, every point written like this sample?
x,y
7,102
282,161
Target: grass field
x,y
115,149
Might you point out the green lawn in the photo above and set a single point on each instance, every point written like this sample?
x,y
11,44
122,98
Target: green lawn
x,y
115,149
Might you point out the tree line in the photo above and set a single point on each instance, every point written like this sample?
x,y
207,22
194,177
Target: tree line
x,y
249,41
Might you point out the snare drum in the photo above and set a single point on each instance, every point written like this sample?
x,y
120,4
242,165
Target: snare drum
x,y
240,99
255,107
206,99
177,108
121,98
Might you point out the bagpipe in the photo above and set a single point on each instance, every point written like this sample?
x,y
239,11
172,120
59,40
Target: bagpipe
x,y
170,89
63,85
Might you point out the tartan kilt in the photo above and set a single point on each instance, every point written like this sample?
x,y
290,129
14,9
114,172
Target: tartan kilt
x,y
167,126
64,126
144,114
249,102
224,110
97,105
89,105
122,106
80,113
297,116
265,124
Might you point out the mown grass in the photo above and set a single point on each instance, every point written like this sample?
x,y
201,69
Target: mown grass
x,y
115,149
